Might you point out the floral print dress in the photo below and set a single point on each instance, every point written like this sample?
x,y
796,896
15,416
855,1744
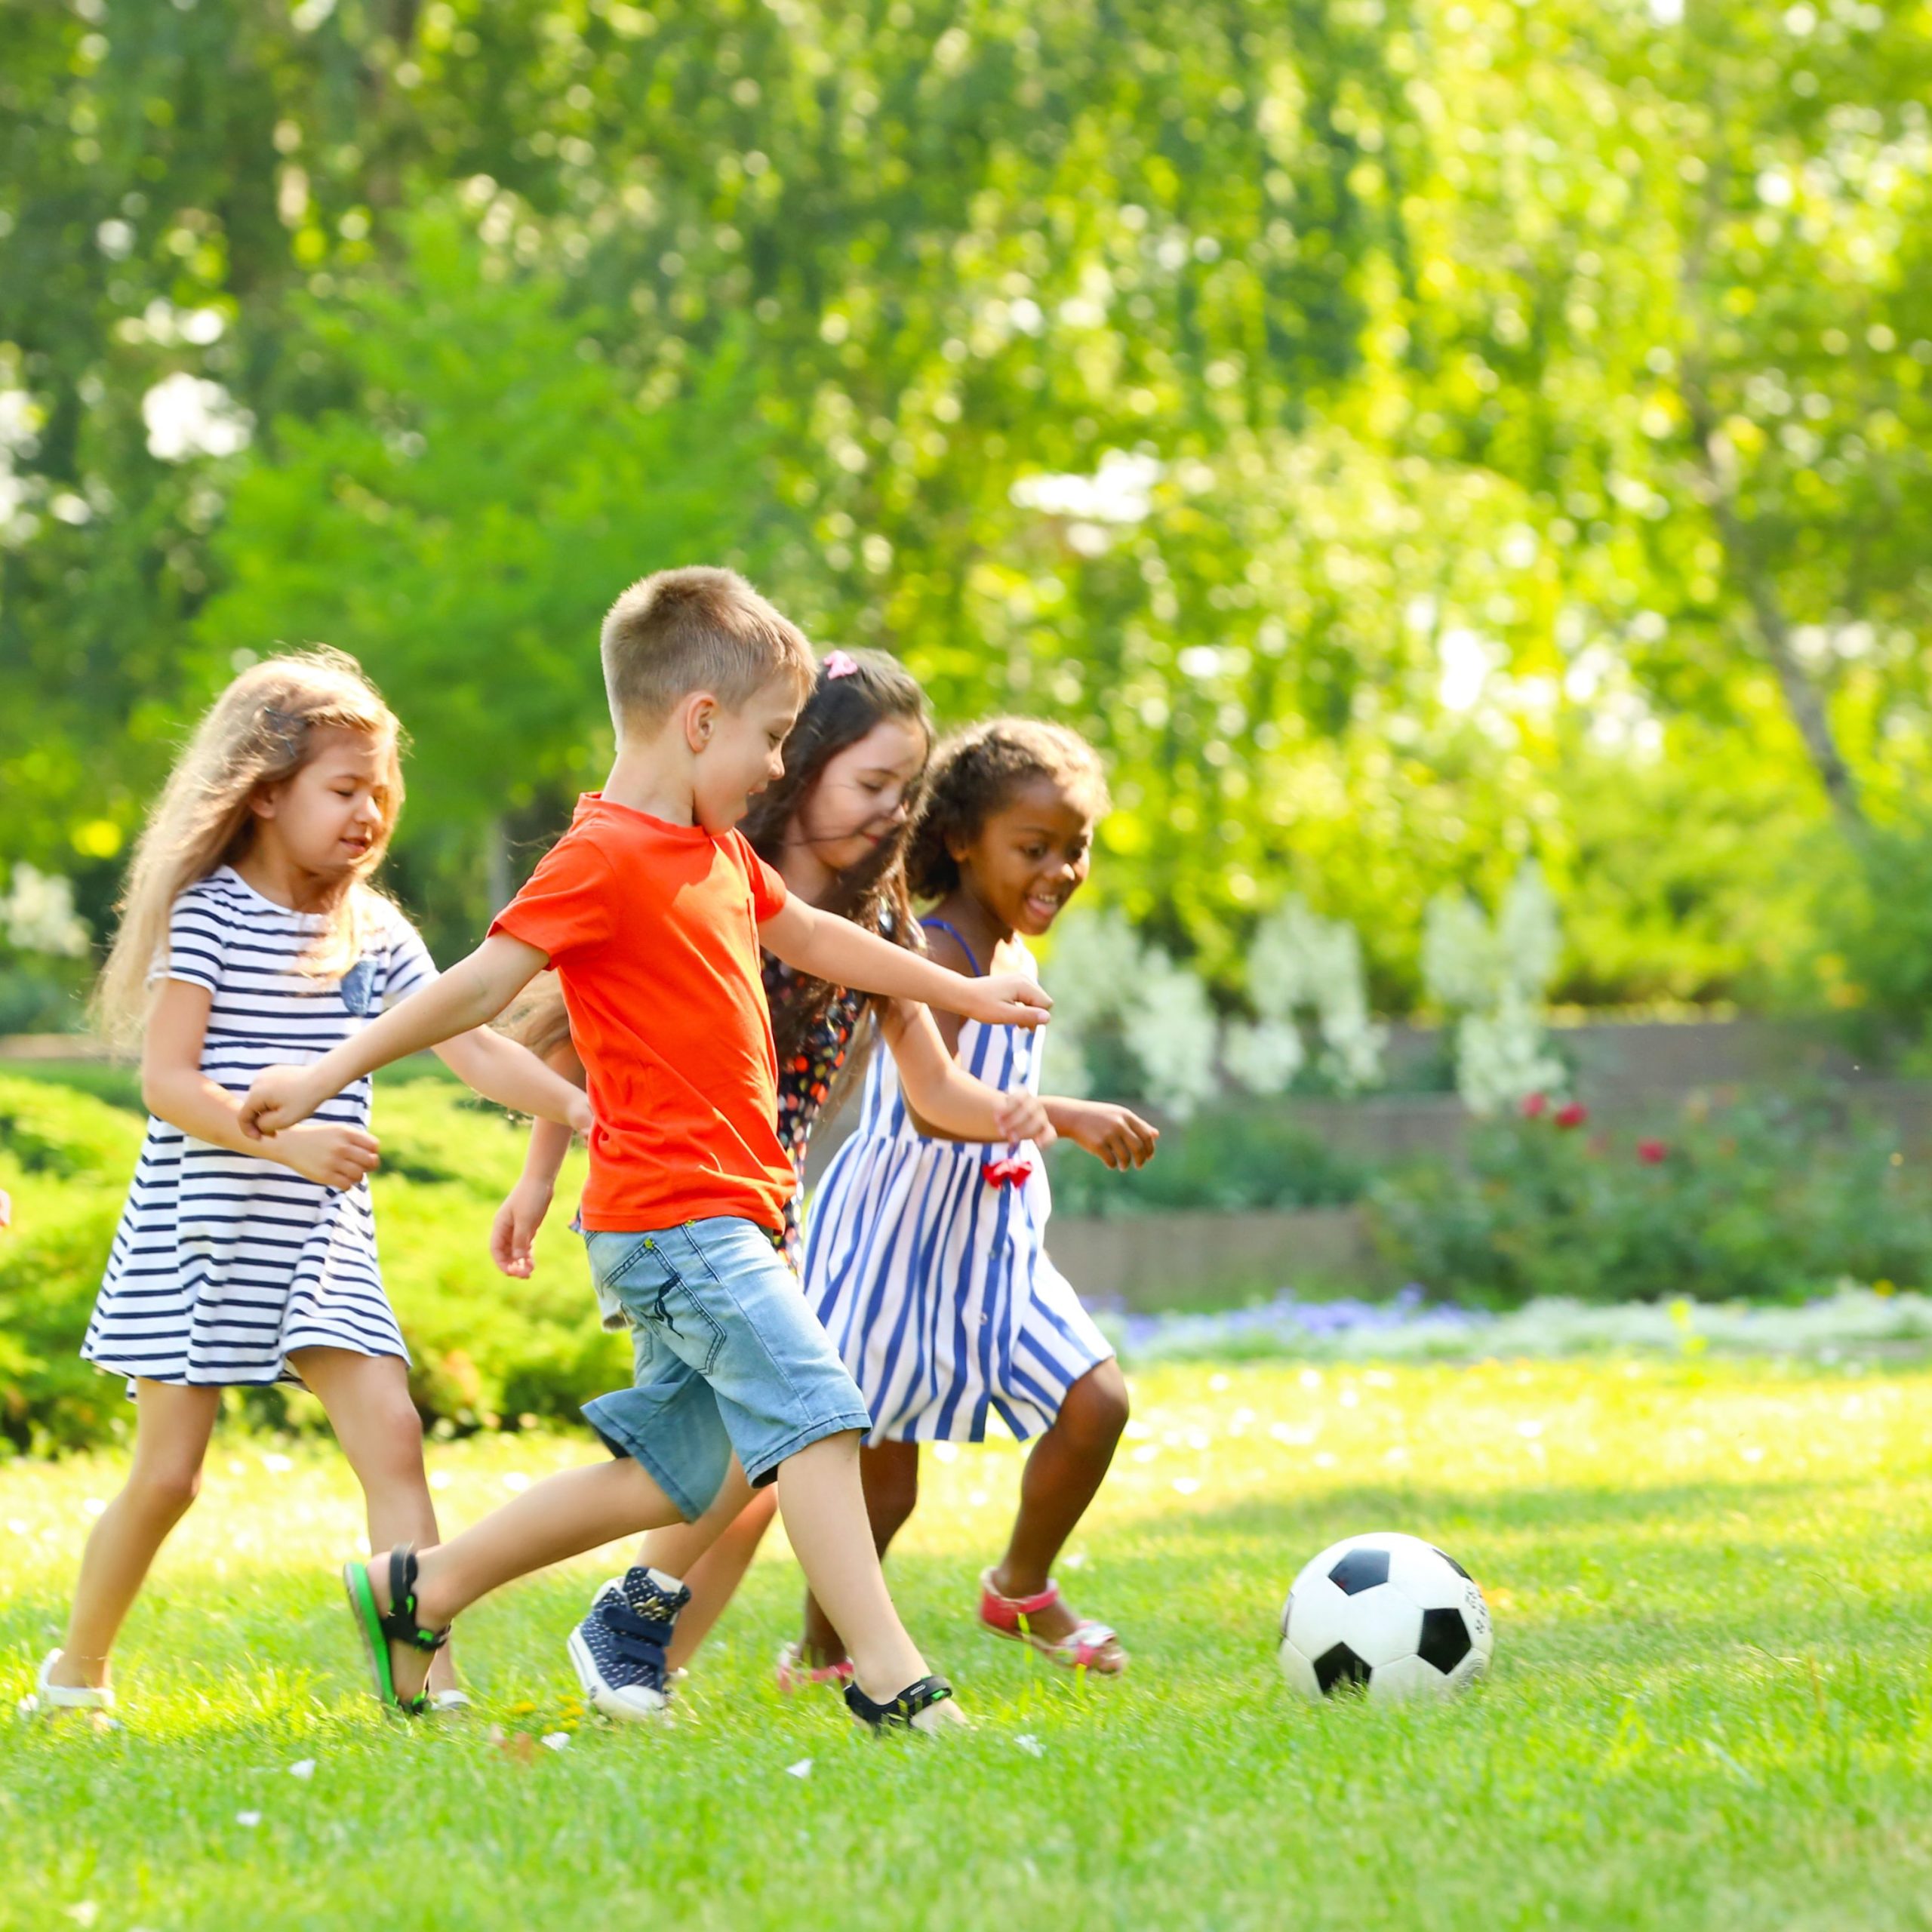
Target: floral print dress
x,y
805,1081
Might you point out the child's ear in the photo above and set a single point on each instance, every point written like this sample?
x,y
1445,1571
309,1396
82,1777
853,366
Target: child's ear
x,y
265,800
702,711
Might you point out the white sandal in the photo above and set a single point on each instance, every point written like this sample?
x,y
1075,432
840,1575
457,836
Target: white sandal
x,y
51,1697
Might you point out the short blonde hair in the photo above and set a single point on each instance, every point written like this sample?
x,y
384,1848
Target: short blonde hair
x,y
697,629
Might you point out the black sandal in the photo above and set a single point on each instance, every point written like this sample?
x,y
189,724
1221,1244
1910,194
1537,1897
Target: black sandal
x,y
398,1623
897,1715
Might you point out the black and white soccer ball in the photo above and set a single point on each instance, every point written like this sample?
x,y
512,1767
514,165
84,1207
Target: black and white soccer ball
x,y
1390,1614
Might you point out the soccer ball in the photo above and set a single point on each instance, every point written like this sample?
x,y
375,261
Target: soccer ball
x,y
1390,1613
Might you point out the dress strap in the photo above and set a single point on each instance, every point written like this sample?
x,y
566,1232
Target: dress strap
x,y
947,926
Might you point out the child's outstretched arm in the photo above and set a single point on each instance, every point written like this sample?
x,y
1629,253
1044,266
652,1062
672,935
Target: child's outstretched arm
x,y
1111,1133
513,1233
511,1074
826,947
472,992
942,1094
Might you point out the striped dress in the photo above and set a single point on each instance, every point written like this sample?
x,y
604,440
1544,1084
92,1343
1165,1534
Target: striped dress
x,y
223,1264
932,1278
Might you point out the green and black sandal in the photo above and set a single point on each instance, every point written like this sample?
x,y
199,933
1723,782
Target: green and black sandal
x,y
897,1715
378,1628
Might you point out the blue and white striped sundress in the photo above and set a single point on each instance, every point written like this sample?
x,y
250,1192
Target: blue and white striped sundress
x,y
933,1284
223,1264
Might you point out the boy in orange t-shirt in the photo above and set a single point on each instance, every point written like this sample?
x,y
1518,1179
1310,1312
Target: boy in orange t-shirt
x,y
653,910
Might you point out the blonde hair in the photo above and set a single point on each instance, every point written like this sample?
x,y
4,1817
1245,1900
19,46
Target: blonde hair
x,y
695,629
261,731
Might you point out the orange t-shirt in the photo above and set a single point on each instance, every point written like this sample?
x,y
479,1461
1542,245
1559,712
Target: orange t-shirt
x,y
653,929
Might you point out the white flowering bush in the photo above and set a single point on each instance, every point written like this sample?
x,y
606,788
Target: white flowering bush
x,y
1302,964
37,914
1115,994
1494,978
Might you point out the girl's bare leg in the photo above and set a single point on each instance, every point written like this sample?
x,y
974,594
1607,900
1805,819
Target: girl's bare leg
x,y
1062,1474
367,1401
172,1427
890,1473
711,1556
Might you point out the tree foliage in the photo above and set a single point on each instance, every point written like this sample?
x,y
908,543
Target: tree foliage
x,y
1409,437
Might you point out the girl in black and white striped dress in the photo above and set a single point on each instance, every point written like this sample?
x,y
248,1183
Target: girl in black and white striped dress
x,y
251,937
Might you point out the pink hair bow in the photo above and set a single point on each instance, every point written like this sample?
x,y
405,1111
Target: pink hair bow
x,y
841,664
1008,1173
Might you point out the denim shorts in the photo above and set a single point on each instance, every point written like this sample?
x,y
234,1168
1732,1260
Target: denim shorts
x,y
728,1357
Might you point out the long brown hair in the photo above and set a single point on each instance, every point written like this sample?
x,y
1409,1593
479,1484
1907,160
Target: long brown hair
x,y
855,691
262,730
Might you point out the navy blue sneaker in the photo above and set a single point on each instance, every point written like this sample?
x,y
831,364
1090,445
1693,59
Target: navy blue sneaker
x,y
618,1650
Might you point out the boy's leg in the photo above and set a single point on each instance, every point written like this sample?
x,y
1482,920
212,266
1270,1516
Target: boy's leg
x,y
172,1426
367,1402
890,1473
1062,1476
560,1517
824,1505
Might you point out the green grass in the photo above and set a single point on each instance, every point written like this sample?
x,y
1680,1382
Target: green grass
x,y
1711,1583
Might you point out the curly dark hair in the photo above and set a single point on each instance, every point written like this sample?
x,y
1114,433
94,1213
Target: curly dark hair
x,y
976,772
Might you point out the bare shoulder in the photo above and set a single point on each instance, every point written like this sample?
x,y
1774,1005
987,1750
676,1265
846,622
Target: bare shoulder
x,y
944,949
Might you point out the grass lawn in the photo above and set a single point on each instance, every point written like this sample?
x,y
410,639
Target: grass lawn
x,y
1711,1704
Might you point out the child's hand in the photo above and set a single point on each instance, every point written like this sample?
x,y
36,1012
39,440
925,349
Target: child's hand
x,y
1121,1139
1023,1116
277,1098
514,1231
322,1151
582,1119
1005,999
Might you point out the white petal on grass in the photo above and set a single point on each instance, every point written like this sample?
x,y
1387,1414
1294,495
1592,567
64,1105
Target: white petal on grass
x,y
249,1819
555,1740
802,1769
1031,1745
26,1706
302,1767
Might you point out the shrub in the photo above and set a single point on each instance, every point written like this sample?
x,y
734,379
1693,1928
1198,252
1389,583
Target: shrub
x,y
1231,1157
1774,1199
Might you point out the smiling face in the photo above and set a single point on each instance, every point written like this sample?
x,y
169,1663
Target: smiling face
x,y
336,810
861,794
738,752
1030,856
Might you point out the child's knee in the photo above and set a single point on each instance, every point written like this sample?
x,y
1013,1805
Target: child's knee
x,y
892,1487
165,1486
1096,1406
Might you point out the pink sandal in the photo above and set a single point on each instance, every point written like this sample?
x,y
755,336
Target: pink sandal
x,y
795,1674
1081,1650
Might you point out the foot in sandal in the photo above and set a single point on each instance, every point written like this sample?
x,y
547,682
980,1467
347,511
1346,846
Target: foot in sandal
x,y
1044,1622
398,1649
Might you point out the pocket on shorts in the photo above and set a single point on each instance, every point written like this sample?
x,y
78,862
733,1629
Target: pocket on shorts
x,y
635,1271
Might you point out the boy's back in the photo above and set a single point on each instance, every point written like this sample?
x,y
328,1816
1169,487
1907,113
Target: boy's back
x,y
653,929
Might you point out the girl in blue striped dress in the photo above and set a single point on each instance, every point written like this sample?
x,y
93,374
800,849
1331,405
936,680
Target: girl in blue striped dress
x,y
250,936
925,1256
